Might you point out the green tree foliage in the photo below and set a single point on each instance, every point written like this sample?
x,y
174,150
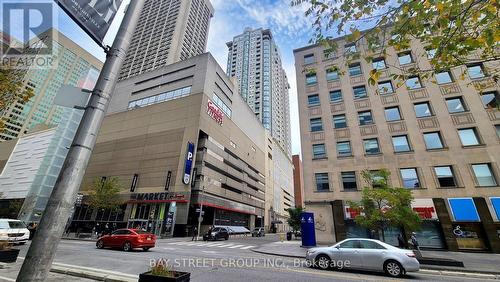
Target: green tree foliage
x,y
294,218
459,31
384,206
104,194
11,91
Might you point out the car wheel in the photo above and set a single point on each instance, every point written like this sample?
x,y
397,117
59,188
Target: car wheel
x,y
127,247
99,244
146,249
393,268
323,261
253,235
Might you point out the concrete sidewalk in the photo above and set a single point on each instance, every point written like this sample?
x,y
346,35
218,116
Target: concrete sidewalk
x,y
62,272
473,262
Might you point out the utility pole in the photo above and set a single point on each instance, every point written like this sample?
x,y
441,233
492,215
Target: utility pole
x,y
200,216
43,248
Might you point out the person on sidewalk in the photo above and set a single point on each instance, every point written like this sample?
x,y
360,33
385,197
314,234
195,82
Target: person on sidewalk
x,y
415,245
195,234
401,241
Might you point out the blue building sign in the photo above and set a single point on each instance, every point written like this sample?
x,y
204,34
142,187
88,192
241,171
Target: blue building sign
x,y
189,163
307,229
463,209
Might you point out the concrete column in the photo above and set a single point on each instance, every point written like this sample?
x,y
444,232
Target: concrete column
x,y
252,221
490,228
338,220
446,226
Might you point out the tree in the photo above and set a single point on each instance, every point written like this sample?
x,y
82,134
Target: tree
x,y
294,218
104,194
11,91
383,206
458,32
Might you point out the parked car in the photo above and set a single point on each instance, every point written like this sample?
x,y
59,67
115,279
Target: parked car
x,y
258,232
127,239
14,231
364,254
216,234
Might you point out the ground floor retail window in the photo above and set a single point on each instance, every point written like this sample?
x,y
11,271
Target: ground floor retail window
x,y
469,236
157,218
230,218
430,235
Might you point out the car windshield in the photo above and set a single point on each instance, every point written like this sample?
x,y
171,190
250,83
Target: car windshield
x,y
16,224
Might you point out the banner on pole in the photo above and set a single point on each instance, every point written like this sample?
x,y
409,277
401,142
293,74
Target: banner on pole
x,y
93,16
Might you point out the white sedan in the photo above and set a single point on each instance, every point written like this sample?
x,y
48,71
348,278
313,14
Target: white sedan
x,y
364,254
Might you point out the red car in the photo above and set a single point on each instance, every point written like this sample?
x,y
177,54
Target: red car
x,y
127,239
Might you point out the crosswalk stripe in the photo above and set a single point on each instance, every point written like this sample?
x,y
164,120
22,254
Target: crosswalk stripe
x,y
215,245
211,244
247,247
237,246
225,245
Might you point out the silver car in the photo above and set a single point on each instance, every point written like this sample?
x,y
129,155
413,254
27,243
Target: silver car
x,y
364,254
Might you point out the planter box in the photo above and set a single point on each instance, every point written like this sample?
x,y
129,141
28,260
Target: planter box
x,y
9,255
179,277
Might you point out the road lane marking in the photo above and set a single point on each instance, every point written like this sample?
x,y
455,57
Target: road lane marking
x,y
237,246
225,245
247,247
7,279
215,245
171,249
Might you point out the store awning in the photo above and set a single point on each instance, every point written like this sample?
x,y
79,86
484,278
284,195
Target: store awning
x,y
495,202
463,209
235,229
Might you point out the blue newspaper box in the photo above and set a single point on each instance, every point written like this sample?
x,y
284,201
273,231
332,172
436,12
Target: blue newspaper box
x,y
307,229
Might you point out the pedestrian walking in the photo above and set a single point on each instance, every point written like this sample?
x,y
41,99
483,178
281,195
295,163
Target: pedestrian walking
x,y
415,245
401,241
195,234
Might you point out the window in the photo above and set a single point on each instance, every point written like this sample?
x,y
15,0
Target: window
x,y
371,245
413,83
309,59
385,87
319,151
400,143
332,75
316,124
445,176
349,180
359,92
344,149
443,77
371,146
484,175
468,137
335,96
379,64
405,58
455,105
311,79
392,114
491,100
433,140
322,182
365,118
329,53
430,53
410,178
351,244
355,69
221,105
339,121
423,110
350,48
313,100
475,71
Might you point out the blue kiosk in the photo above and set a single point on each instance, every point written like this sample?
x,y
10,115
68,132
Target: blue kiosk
x,y
307,229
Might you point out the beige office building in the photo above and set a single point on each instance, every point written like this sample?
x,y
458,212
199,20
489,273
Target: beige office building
x,y
168,31
177,138
440,139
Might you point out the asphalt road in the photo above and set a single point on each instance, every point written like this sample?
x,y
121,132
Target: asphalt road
x,y
230,260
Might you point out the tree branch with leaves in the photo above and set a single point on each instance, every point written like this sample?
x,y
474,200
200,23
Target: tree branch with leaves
x,y
12,91
105,194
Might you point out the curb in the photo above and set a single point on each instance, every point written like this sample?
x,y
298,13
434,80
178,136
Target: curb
x,y
98,276
424,269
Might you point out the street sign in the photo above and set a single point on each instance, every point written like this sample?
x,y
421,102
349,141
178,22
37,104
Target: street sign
x,y
93,16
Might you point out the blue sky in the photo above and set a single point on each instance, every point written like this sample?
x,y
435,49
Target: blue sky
x,y
288,24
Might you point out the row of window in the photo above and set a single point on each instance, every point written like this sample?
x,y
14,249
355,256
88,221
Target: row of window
x,y
401,144
410,178
162,97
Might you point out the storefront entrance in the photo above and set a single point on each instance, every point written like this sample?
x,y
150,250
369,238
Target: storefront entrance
x,y
157,218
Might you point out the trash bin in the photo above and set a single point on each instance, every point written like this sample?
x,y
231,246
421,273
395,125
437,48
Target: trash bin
x,y
289,236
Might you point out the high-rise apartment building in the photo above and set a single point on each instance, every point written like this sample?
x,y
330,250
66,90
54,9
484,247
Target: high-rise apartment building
x,y
255,61
168,31
440,138
74,67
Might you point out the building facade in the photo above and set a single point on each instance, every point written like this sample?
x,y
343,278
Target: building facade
x,y
75,67
168,31
178,138
440,139
298,181
254,60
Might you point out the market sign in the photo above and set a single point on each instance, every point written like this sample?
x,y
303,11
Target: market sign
x,y
424,208
157,197
188,164
215,113
93,16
